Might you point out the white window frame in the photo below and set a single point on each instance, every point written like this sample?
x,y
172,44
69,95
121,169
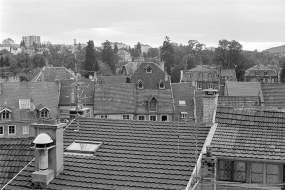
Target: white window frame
x,y
153,116
148,67
103,116
198,86
166,117
1,134
44,113
140,83
183,115
26,129
144,118
210,85
6,112
126,117
14,130
160,86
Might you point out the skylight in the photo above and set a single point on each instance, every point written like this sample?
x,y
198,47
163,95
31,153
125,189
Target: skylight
x,y
182,103
83,147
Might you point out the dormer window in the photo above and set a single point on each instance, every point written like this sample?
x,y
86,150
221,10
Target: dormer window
x,y
184,115
153,104
161,85
148,69
6,113
265,73
140,84
43,111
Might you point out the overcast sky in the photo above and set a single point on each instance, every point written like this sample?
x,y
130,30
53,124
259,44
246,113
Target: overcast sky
x,y
255,24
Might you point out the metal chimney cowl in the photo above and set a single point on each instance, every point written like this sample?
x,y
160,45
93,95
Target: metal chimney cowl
x,y
42,177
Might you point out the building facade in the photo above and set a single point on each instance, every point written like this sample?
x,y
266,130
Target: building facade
x,y
261,73
29,40
202,77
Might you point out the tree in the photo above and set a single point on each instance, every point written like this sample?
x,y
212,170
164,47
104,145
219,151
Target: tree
x,y
116,48
22,44
167,54
282,73
90,60
108,55
189,61
38,61
1,61
137,50
175,73
152,52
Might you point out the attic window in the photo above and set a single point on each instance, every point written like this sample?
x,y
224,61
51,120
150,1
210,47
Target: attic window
x,y
161,85
140,85
148,69
184,115
83,147
152,104
6,115
44,113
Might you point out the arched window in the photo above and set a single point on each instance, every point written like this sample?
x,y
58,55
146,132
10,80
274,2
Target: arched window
x,y
140,85
148,69
161,85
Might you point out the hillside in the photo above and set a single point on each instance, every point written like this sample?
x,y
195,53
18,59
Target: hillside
x,y
279,49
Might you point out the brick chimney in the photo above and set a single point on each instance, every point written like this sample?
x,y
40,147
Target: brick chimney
x,y
48,151
210,102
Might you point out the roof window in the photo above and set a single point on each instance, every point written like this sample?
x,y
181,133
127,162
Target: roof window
x,y
148,69
182,103
83,147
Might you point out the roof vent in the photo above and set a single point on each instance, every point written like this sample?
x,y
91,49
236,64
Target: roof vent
x,y
44,175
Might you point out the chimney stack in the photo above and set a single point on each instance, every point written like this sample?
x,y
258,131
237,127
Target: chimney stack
x,y
210,102
48,151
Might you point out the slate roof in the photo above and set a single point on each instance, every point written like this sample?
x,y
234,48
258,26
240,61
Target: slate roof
x,y
150,80
134,155
183,91
86,88
259,67
15,153
114,98
118,79
238,101
164,99
274,94
243,89
249,133
50,73
45,93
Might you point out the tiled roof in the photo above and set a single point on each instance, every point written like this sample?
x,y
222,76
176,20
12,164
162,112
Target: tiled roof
x,y
274,94
118,79
134,155
243,89
150,80
51,73
86,88
183,91
259,67
238,101
15,153
163,97
249,133
45,93
114,98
